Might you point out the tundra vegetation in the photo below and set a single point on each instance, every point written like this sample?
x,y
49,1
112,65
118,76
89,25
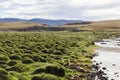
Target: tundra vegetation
x,y
47,55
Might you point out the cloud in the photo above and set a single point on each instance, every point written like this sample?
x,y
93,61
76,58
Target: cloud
x,y
61,9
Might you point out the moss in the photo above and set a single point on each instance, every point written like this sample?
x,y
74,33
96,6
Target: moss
x,y
26,56
36,78
4,57
12,63
24,77
27,61
3,62
50,77
3,72
4,75
18,68
39,70
57,52
39,59
15,57
4,66
45,77
58,71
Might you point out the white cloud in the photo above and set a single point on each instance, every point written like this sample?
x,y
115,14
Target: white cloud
x,y
61,9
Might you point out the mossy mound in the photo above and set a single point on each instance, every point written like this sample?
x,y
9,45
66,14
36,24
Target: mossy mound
x,y
45,77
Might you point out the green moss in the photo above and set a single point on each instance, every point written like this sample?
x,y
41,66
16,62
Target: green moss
x,y
4,57
39,70
38,58
18,68
15,57
27,61
50,77
45,77
23,77
58,71
44,55
12,63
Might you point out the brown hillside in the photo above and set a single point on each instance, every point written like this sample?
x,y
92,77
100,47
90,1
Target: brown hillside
x,y
99,25
20,26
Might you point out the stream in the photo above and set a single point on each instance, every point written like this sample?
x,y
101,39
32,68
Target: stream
x,y
108,58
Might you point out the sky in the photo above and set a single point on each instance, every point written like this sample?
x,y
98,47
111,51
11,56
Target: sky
x,y
61,9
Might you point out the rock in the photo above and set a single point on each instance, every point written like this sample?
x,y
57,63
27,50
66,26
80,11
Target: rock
x,y
95,67
100,62
82,76
113,65
104,68
80,69
94,61
97,63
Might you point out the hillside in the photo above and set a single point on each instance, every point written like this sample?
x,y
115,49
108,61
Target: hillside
x,y
20,26
98,25
39,20
75,26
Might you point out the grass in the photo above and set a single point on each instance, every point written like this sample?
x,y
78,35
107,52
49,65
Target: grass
x,y
108,25
47,55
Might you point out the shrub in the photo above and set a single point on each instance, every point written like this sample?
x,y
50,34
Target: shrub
x,y
26,55
57,52
3,72
18,68
55,70
3,66
4,75
40,70
45,50
22,47
23,77
27,61
15,57
49,77
39,59
36,78
45,77
3,62
4,58
12,63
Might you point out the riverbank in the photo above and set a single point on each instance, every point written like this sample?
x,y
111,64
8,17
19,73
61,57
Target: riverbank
x,y
108,59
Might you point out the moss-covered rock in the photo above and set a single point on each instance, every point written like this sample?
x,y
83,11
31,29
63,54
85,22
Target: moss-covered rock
x,y
18,68
27,61
15,57
12,63
56,70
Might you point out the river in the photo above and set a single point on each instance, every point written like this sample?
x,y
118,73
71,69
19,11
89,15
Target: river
x,y
109,58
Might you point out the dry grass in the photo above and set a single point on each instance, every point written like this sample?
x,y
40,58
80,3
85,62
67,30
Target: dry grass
x,y
19,25
99,25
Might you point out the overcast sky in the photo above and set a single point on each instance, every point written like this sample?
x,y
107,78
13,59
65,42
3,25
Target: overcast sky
x,y
61,9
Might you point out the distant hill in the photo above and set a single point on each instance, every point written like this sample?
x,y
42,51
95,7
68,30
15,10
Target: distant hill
x,y
98,25
43,21
29,26
21,26
74,26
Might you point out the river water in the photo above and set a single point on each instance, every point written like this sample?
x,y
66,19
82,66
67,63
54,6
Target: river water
x,y
109,58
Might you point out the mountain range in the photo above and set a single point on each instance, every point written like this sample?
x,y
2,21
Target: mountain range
x,y
41,21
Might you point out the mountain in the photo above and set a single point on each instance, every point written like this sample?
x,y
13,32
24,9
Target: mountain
x,y
43,21
12,20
